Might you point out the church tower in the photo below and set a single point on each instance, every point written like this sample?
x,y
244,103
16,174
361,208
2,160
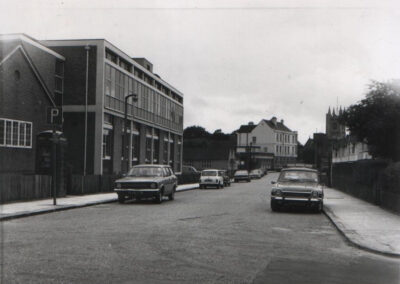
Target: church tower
x,y
334,130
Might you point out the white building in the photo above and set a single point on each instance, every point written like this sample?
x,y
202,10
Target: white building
x,y
350,150
270,144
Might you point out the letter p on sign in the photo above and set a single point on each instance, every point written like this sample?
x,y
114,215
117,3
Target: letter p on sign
x,y
54,116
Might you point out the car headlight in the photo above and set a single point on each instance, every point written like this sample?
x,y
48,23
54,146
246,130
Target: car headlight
x,y
153,185
117,185
314,193
276,192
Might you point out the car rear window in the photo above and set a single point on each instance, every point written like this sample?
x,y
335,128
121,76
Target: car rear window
x,y
209,173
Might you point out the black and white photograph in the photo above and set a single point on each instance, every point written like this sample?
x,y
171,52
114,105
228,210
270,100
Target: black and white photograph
x,y
200,141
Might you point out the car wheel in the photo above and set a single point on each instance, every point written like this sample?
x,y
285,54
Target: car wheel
x,y
158,197
172,195
275,206
222,185
319,207
121,198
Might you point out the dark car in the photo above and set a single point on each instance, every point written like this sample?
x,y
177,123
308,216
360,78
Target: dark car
x,y
145,181
297,186
241,175
227,179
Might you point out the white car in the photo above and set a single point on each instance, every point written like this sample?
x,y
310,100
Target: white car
x,y
211,177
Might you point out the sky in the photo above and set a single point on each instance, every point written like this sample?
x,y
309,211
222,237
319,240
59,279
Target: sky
x,y
238,61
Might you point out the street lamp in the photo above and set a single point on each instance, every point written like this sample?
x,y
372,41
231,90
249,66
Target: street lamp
x,y
126,160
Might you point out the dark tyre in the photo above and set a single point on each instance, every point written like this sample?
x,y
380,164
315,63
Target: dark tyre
x,y
275,206
172,195
158,197
319,207
121,198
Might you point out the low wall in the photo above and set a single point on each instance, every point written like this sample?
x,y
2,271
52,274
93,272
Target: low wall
x,y
374,181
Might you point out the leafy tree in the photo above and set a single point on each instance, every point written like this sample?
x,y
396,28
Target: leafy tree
x,y
376,120
195,132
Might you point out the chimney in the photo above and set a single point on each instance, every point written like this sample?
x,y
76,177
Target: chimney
x,y
282,121
273,120
251,123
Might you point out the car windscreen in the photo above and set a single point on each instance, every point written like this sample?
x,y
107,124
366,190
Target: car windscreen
x,y
241,173
209,173
301,176
146,172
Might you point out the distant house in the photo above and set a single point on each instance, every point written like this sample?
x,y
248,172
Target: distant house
x,y
349,149
204,153
269,144
31,81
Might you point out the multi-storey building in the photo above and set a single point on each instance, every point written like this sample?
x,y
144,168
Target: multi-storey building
x,y
98,77
31,81
269,144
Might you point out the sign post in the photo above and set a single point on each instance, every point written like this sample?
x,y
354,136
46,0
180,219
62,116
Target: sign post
x,y
54,117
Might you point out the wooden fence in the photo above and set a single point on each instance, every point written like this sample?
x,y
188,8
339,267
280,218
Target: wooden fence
x,y
15,187
91,184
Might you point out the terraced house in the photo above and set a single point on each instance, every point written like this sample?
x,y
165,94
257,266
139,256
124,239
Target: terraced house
x,y
98,78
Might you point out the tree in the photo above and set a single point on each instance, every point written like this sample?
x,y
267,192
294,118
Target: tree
x,y
376,120
195,132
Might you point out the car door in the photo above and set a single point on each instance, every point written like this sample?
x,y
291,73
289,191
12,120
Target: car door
x,y
167,180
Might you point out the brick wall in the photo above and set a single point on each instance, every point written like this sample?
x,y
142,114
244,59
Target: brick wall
x,y
22,99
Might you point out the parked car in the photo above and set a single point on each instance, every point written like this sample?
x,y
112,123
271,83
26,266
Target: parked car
x,y
256,173
144,181
189,174
241,175
297,186
211,177
227,178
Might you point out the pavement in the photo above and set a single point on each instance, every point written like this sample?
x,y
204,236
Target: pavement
x,y
362,224
29,208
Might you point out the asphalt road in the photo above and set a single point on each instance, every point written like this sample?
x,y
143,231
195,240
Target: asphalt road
x,y
228,235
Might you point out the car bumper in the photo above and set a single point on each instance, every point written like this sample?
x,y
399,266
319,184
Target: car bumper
x,y
137,192
296,200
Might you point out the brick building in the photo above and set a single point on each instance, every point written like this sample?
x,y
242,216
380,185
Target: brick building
x,y
31,80
105,75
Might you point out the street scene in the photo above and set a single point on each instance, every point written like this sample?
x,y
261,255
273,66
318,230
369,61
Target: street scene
x,y
187,141
224,235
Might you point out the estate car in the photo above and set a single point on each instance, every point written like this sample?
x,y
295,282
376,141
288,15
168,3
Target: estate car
x,y
145,181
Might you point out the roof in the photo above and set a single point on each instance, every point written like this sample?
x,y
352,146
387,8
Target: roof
x,y
246,128
278,126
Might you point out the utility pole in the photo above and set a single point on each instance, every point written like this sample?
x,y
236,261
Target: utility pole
x,y
125,160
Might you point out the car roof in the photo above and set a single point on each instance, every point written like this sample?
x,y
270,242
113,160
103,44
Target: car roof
x,y
151,166
210,170
300,169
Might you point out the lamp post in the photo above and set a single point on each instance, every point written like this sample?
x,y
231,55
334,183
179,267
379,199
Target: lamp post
x,y
124,158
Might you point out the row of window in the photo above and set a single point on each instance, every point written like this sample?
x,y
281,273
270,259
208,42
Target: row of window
x,y
151,145
287,138
141,75
285,150
15,133
118,85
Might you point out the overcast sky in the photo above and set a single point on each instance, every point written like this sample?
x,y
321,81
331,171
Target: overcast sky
x,y
238,61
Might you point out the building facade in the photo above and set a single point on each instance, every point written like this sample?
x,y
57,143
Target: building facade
x,y
31,81
269,144
98,78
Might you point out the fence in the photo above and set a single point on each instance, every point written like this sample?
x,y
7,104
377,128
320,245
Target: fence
x,y
91,184
15,187
374,181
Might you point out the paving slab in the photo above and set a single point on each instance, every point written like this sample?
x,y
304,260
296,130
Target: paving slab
x,y
36,207
365,225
